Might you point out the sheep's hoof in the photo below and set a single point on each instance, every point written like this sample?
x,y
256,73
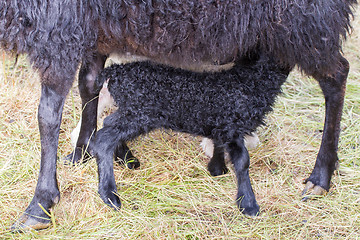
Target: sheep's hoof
x,y
26,223
77,156
124,156
312,191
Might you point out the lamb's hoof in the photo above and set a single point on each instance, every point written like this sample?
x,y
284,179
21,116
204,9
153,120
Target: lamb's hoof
x,y
112,200
248,207
312,191
251,211
218,171
131,163
26,223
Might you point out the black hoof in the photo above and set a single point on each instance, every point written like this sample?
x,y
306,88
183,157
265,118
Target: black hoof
x,y
124,157
251,211
217,170
111,199
248,208
132,163
79,155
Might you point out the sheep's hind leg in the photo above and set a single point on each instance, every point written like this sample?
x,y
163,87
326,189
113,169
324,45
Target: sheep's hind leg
x,y
240,158
89,96
216,165
333,88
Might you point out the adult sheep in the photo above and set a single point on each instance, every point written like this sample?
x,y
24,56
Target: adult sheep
x,y
59,35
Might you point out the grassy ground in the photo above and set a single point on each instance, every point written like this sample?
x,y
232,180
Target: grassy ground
x,y
172,196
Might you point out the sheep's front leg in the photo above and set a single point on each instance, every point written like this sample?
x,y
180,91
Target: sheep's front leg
x,y
46,193
333,88
87,75
245,197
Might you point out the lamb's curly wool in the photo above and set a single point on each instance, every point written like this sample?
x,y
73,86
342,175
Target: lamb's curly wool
x,y
223,106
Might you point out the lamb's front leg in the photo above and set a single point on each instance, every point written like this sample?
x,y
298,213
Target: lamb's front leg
x,y
245,197
104,157
124,156
105,146
89,96
115,132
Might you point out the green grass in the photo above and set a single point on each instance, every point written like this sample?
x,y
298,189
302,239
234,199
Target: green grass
x,y
173,196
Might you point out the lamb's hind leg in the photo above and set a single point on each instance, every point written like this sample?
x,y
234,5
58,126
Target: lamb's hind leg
x,y
333,88
245,197
216,165
87,75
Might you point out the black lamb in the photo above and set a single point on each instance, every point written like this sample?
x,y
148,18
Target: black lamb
x,y
223,106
